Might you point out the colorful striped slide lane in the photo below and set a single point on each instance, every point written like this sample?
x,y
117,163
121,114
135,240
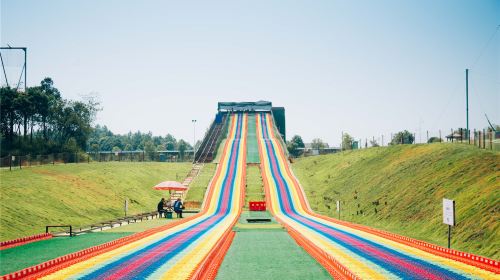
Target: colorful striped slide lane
x,y
347,251
179,252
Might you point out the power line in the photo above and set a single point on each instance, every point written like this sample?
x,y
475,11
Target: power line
x,y
486,46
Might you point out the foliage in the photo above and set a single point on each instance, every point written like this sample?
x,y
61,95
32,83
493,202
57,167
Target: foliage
x,y
294,144
374,143
182,146
317,144
347,141
102,139
402,137
434,140
40,121
406,185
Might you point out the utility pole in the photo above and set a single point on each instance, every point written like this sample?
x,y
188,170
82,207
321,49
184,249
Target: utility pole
x,y
194,139
25,68
467,101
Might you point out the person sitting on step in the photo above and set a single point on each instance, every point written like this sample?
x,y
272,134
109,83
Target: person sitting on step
x,y
178,207
160,207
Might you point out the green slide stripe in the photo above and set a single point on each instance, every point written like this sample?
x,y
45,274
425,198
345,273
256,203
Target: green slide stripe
x,y
252,147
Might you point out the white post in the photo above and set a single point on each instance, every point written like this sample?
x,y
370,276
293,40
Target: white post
x,y
338,207
449,216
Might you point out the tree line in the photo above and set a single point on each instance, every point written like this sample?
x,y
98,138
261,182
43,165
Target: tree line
x,y
296,145
40,121
102,139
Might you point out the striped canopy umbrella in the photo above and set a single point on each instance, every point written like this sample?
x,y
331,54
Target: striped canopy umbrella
x,y
170,185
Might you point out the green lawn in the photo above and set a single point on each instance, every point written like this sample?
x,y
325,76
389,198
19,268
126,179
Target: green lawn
x,y
400,189
78,194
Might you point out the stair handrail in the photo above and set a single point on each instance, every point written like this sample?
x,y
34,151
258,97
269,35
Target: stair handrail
x,y
209,146
218,139
213,139
206,146
200,151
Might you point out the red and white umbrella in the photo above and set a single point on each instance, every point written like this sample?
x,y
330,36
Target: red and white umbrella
x,y
170,185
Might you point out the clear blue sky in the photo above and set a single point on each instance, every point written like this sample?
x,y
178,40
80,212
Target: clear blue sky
x,y
365,67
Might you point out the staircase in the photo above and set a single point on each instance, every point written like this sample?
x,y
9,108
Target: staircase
x,y
195,170
206,151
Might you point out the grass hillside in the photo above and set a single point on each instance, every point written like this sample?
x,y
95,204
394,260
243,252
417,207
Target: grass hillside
x,y
79,194
199,185
400,189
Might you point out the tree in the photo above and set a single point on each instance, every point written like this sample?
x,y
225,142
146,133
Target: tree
x,y
434,140
374,143
294,145
56,124
317,144
170,142
402,137
70,146
182,147
8,113
94,147
347,141
150,149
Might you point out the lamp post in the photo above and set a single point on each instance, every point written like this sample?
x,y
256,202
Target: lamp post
x,y
194,139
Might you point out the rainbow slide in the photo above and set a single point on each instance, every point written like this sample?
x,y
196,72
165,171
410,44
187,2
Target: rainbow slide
x,y
350,251
180,251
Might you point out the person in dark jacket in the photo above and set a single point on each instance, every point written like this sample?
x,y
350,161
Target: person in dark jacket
x,y
161,204
178,208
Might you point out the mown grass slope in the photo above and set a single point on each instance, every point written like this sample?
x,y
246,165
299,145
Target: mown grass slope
x,y
199,185
79,194
400,189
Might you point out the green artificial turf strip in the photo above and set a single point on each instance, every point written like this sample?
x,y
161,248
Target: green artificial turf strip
x,y
254,214
17,258
268,255
254,186
400,189
252,146
79,194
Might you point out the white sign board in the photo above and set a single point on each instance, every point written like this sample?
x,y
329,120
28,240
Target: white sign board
x,y
338,205
449,212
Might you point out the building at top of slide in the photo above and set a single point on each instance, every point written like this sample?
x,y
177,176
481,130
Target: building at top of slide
x,y
258,106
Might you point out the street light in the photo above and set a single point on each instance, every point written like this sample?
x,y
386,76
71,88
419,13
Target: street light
x,y
194,139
